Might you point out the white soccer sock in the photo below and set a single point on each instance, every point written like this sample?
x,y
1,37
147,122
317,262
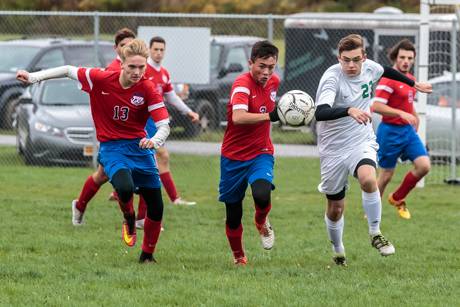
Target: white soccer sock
x,y
335,232
372,204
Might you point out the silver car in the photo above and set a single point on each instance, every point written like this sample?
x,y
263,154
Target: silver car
x,y
54,124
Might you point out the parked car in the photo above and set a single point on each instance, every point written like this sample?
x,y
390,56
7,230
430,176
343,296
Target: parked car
x,y
229,58
38,54
54,124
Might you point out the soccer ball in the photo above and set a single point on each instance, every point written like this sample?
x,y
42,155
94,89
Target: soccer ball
x,y
296,108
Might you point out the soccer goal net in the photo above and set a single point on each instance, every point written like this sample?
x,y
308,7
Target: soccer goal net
x,y
438,63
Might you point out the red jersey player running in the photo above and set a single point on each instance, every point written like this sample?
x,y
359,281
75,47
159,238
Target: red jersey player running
x,y
397,134
247,150
121,102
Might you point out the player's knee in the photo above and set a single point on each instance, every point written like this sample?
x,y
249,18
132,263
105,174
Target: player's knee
x,y
234,213
368,184
423,168
162,155
123,184
154,202
261,191
100,177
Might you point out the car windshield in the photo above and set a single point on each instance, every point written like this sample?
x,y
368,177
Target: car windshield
x,y
63,92
16,57
215,55
442,93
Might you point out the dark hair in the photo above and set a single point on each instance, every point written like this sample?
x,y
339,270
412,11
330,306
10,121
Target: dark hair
x,y
351,42
263,50
157,39
404,44
122,34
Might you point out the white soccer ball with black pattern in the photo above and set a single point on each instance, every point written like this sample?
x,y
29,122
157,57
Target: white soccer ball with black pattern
x,y
296,108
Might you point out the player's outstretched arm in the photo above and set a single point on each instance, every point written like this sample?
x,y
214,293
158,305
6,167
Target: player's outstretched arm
x,y
243,117
326,112
52,73
179,104
386,110
391,73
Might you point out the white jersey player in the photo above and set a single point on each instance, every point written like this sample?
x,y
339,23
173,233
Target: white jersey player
x,y
346,140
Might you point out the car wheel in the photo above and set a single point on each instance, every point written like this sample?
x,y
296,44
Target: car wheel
x,y
207,119
10,113
27,153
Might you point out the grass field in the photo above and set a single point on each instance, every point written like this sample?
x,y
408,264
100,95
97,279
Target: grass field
x,y
44,260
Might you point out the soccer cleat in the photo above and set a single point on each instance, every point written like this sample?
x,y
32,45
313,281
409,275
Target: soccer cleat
x,y
340,259
140,224
128,237
383,245
77,215
181,202
146,258
400,206
267,235
113,196
240,261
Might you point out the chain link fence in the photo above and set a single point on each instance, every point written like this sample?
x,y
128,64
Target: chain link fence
x,y
307,43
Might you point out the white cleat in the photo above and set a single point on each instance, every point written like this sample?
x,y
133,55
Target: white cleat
x,y
77,215
382,245
267,235
181,202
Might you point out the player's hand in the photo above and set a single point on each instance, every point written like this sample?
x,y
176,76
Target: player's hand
x,y
360,116
149,143
409,118
23,76
194,117
424,87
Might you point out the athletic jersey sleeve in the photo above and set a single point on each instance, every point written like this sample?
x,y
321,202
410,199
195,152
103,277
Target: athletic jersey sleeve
x,y
327,88
89,78
376,68
156,106
239,97
168,86
383,91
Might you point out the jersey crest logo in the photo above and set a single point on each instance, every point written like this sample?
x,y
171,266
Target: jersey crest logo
x,y
137,100
263,109
273,96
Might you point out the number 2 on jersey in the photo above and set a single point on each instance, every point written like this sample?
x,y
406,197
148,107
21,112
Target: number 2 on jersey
x,y
367,89
120,113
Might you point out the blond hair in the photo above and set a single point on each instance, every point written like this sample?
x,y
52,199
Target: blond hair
x,y
351,42
134,47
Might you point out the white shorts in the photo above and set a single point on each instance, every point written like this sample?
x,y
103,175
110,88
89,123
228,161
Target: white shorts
x,y
336,169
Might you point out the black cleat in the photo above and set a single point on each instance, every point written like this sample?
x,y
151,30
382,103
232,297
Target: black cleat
x,y
146,258
340,259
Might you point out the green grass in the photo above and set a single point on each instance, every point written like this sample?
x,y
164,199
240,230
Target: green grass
x,y
44,260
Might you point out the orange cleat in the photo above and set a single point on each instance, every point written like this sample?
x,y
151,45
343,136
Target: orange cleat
x,y
400,206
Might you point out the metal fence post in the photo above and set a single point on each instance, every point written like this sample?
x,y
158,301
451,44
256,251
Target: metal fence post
x,y
453,69
270,27
96,63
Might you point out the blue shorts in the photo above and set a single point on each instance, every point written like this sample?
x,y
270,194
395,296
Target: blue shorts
x,y
126,154
150,128
235,176
398,141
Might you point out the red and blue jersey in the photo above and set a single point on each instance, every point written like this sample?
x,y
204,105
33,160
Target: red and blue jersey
x,y
245,142
397,95
160,78
119,113
115,65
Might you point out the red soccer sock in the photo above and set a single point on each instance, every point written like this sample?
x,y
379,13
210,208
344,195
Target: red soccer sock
x,y
170,187
128,208
235,238
88,191
142,209
152,231
409,182
260,215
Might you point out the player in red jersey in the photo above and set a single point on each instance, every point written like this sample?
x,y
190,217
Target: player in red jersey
x,y
98,178
247,150
397,134
121,102
160,77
